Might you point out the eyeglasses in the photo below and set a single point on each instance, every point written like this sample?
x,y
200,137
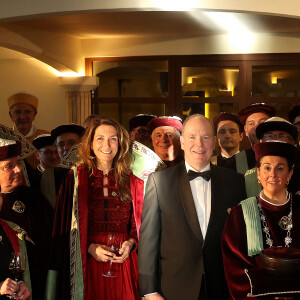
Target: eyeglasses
x,y
142,131
49,152
276,137
19,112
11,166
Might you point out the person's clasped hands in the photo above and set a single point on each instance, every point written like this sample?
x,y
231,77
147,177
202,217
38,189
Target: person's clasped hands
x,y
9,287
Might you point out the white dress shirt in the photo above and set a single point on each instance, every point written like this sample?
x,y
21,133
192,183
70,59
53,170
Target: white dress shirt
x,y
201,190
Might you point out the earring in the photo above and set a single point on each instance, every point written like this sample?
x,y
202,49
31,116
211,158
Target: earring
x,y
259,180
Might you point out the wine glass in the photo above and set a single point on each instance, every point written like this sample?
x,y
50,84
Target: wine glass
x,y
17,268
113,245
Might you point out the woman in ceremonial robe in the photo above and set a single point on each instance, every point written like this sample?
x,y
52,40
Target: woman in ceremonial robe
x,y
9,243
96,201
271,219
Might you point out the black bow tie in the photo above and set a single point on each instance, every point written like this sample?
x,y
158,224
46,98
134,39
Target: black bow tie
x,y
205,175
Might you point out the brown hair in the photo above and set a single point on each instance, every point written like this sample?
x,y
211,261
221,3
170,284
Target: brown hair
x,y
122,160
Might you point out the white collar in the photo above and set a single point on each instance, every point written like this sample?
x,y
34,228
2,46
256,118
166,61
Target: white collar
x,y
225,156
29,134
188,167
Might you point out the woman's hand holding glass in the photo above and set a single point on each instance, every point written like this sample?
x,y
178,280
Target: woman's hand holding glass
x,y
124,251
100,252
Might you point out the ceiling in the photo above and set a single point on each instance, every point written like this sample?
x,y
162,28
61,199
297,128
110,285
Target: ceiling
x,y
152,24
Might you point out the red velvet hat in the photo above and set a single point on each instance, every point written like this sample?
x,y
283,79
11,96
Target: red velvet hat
x,y
140,120
224,116
165,121
275,148
255,108
276,123
9,148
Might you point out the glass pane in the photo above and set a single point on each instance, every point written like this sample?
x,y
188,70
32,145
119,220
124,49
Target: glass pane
x,y
125,111
210,81
210,110
275,81
131,79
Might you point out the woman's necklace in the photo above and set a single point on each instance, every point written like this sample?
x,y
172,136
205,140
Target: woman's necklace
x,y
286,223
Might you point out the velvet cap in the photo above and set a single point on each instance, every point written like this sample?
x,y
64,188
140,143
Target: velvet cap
x,y
294,113
140,120
72,127
165,121
255,108
42,141
276,123
224,116
276,148
9,148
23,98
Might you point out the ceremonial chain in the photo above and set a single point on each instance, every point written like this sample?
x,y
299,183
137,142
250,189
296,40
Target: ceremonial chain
x,y
286,223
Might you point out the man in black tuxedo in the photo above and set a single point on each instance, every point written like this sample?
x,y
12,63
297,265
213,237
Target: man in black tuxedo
x,y
182,222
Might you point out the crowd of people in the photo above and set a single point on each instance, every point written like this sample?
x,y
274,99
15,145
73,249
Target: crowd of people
x,y
92,227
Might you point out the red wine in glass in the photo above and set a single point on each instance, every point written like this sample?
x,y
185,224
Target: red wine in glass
x,y
17,269
114,245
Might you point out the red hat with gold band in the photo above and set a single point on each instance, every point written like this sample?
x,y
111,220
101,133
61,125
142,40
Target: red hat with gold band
x,y
165,121
9,148
225,116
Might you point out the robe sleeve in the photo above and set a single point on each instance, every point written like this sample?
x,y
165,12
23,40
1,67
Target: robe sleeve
x,y
235,255
60,254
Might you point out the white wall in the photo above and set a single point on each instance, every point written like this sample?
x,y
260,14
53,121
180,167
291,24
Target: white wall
x,y
36,78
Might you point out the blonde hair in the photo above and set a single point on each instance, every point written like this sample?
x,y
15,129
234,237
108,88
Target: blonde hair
x,y
122,160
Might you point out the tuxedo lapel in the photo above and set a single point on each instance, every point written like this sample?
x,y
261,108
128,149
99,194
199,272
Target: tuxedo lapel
x,y
188,201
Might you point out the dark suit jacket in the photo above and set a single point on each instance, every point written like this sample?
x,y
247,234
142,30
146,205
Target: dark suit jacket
x,y
172,253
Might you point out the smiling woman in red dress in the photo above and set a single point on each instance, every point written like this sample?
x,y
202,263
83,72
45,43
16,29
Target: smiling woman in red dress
x,y
102,191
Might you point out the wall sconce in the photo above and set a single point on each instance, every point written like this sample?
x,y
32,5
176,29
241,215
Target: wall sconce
x,y
274,80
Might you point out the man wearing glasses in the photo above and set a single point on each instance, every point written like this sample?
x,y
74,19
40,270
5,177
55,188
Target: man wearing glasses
x,y
26,207
138,129
22,111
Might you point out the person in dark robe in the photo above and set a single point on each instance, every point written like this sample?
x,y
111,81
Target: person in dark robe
x,y
268,220
27,208
165,133
251,116
100,198
229,131
10,243
47,156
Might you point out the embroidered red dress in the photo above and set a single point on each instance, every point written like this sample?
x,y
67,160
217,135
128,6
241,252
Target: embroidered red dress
x,y
109,215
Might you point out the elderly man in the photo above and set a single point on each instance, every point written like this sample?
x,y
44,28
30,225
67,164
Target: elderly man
x,y
229,132
138,129
22,111
184,212
27,208
165,133
251,116
273,129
